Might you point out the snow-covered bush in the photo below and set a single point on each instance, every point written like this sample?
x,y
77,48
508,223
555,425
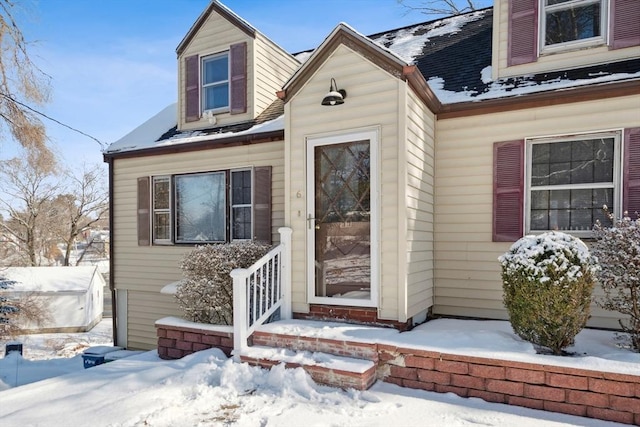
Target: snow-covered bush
x,y
547,282
618,251
205,294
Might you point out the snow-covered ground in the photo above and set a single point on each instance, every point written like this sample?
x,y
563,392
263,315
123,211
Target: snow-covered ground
x,y
207,389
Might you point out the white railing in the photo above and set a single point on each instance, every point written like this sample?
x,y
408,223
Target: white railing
x,y
258,291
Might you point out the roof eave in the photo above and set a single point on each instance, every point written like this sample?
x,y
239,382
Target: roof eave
x,y
208,144
541,99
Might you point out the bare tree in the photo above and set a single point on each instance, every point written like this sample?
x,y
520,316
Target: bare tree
x,y
443,7
28,184
84,204
21,83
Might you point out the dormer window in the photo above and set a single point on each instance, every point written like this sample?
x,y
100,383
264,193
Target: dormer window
x,y
567,24
215,82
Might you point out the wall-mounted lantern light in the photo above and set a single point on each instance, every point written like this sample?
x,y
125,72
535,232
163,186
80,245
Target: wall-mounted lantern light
x,y
335,96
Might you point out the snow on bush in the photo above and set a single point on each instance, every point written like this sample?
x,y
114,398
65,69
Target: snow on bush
x,y
618,251
205,294
547,281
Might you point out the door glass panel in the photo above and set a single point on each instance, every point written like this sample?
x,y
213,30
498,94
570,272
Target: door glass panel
x,y
342,220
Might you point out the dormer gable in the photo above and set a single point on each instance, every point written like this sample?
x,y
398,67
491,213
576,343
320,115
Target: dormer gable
x,y
533,36
384,58
228,72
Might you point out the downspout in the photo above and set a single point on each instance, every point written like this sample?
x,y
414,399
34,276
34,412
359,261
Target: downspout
x,y
112,287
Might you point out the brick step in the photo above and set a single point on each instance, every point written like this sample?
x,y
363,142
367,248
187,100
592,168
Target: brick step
x,y
328,369
326,337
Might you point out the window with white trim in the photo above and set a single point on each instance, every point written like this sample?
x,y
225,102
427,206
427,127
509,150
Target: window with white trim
x,y
161,209
570,179
241,195
215,82
209,207
566,24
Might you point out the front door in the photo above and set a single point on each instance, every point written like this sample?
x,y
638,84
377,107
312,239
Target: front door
x,y
341,219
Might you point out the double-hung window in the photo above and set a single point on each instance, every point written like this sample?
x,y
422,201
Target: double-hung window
x,y
241,203
572,23
570,179
215,82
211,207
161,209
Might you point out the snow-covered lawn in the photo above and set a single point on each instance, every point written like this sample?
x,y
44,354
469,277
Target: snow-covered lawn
x,y
207,389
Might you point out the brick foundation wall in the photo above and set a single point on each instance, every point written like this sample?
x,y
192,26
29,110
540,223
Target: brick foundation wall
x,y
175,342
601,395
360,315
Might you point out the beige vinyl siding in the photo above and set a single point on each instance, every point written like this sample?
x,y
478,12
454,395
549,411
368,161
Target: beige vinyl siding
x,y
547,62
142,313
273,66
149,268
366,86
467,273
215,36
419,161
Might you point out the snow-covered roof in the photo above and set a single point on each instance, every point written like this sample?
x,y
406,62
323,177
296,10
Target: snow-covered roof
x,y
160,131
48,279
453,54
148,132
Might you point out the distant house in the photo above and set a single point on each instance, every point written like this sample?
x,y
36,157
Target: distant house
x,y
72,296
437,146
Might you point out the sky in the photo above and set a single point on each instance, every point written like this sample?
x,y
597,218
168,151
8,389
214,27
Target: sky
x,y
113,63
51,388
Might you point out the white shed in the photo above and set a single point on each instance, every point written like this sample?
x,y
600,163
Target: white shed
x,y
74,296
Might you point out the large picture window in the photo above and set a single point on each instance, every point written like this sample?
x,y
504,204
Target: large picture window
x,y
205,207
215,82
567,23
200,207
570,180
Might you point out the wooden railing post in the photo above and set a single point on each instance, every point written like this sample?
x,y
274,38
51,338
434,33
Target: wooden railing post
x,y
285,240
240,309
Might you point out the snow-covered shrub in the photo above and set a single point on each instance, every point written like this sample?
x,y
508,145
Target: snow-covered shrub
x,y
205,294
547,282
618,251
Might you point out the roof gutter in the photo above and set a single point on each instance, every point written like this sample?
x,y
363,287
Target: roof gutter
x,y
231,141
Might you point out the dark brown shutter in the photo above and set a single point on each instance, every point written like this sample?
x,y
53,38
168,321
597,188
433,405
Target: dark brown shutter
x,y
508,190
523,32
625,23
238,78
631,178
262,204
144,218
192,88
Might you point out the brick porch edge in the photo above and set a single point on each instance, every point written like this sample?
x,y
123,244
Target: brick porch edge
x,y
175,342
586,393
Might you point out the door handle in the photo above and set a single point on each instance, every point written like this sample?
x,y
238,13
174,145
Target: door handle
x,y
312,221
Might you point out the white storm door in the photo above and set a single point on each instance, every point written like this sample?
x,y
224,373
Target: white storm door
x,y
342,220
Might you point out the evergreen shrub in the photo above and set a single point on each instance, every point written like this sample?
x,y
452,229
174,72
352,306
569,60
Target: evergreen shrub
x,y
547,282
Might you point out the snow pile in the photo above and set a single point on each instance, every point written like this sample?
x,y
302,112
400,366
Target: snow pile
x,y
206,388
536,255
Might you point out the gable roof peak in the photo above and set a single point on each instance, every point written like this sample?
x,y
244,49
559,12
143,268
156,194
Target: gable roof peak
x,y
231,16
